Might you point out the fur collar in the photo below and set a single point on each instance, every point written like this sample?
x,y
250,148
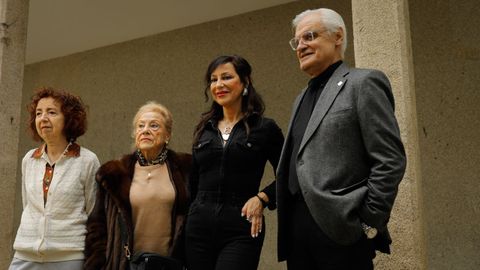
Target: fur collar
x,y
115,176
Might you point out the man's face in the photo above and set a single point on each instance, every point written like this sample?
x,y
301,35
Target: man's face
x,y
319,49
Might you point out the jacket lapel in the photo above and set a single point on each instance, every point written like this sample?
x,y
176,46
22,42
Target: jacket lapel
x,y
295,107
325,101
295,111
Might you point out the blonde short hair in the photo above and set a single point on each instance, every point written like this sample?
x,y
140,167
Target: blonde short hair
x,y
152,106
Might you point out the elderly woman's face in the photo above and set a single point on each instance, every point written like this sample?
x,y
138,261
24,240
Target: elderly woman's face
x,y
150,134
49,120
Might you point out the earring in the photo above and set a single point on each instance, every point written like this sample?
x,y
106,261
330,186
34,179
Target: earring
x,y
245,91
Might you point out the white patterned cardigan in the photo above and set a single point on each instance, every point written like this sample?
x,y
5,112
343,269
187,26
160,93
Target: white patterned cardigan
x,y
56,231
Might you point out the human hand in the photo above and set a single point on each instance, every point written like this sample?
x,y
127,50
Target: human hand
x,y
253,212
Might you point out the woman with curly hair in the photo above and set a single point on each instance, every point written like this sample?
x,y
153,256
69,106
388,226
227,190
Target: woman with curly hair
x,y
58,185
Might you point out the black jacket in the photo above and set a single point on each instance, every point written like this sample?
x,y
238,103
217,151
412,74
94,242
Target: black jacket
x,y
238,167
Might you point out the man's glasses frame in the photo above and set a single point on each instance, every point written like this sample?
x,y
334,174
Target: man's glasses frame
x,y
305,37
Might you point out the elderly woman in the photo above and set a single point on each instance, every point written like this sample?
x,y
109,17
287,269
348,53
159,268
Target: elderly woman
x,y
142,198
232,144
58,186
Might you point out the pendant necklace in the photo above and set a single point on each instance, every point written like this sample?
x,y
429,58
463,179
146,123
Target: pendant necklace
x,y
226,133
160,159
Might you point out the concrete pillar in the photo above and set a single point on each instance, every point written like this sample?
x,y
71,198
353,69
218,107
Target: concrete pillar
x,y
13,34
382,40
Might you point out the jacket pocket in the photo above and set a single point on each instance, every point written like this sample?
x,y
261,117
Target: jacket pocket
x,y
202,144
339,112
248,146
350,188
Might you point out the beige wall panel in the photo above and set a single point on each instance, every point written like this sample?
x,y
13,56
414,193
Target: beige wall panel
x,y
382,41
169,68
446,50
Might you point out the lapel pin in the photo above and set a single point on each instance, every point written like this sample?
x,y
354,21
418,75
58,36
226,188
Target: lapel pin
x,y
340,83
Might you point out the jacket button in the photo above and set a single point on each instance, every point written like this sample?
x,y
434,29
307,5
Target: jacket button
x,y
249,144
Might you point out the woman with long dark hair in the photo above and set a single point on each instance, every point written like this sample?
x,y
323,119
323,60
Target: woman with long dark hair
x,y
232,143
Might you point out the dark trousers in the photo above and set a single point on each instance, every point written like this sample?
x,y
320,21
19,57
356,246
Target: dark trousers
x,y
311,249
218,237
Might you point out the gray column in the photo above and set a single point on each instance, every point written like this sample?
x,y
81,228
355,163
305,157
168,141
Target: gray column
x,y
382,40
13,33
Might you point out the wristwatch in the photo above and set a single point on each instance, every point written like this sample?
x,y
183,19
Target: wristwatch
x,y
369,231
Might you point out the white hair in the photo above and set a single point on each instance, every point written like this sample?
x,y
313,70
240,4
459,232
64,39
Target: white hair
x,y
328,18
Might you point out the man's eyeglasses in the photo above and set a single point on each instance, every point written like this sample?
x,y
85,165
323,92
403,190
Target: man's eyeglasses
x,y
305,37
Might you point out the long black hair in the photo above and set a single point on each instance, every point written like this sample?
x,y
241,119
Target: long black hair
x,y
252,103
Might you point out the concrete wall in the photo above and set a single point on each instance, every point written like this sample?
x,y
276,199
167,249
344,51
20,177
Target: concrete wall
x,y
13,34
114,81
382,41
169,67
446,53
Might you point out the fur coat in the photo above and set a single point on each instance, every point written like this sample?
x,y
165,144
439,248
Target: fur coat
x,y
103,244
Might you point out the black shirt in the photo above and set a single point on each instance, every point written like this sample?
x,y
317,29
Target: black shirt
x,y
238,166
299,125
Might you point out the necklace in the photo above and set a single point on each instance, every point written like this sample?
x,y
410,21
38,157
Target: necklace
x,y
226,133
160,159
61,155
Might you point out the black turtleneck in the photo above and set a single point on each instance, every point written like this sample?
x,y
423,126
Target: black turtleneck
x,y
299,125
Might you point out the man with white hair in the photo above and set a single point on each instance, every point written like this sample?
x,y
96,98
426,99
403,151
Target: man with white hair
x,y
343,158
